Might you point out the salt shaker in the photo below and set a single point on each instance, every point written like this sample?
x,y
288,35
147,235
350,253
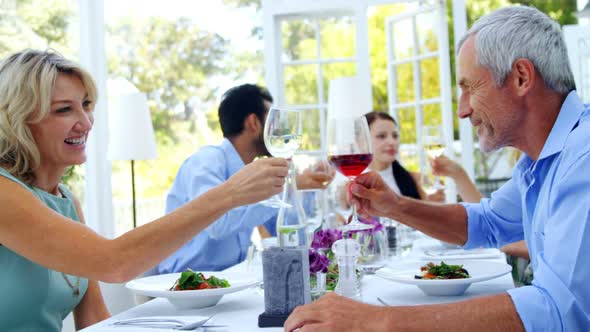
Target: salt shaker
x,y
347,251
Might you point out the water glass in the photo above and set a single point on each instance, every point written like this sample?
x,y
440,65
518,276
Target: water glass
x,y
405,235
400,237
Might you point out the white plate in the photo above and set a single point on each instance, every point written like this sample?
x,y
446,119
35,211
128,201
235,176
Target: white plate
x,y
478,270
159,286
461,254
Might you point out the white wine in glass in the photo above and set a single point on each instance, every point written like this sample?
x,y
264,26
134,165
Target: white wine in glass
x,y
283,146
282,137
433,143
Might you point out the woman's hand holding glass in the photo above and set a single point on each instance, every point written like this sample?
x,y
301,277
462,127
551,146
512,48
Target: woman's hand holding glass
x,y
258,180
443,166
437,196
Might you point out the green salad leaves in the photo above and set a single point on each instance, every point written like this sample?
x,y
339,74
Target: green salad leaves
x,y
442,271
190,280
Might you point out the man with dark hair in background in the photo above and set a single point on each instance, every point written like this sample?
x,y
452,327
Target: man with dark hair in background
x,y
225,242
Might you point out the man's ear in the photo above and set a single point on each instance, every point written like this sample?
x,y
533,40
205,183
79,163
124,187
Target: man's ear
x,y
252,123
523,76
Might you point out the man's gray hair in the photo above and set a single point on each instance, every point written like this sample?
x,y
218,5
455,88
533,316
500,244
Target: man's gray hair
x,y
511,33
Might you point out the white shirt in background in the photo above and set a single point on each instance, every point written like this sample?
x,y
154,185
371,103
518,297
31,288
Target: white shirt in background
x,y
387,175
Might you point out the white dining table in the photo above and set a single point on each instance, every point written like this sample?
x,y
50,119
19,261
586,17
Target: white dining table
x,y
239,311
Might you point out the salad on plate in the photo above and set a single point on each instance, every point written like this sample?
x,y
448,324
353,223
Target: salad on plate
x,y
440,271
190,280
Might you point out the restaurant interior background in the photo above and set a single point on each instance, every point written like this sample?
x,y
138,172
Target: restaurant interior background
x,y
185,54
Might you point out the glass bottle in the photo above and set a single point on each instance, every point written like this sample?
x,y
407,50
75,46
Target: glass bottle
x,y
291,219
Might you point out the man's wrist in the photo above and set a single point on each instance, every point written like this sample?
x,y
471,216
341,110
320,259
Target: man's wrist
x,y
400,204
223,195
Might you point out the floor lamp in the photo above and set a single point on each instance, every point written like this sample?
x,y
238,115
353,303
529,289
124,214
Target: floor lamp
x,y
131,134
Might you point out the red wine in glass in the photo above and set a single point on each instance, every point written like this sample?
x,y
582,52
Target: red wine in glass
x,y
349,150
351,165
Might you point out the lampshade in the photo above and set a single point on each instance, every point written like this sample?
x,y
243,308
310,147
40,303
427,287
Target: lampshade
x,y
345,98
131,134
345,103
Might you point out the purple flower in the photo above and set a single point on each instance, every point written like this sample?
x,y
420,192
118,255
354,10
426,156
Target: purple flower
x,y
377,226
324,238
317,262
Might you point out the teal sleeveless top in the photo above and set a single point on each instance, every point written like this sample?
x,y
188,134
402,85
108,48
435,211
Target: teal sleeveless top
x,y
32,297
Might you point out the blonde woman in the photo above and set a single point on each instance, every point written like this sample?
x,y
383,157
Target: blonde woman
x,y
50,261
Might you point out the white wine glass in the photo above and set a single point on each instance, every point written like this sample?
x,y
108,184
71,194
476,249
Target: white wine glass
x,y
282,137
350,152
434,146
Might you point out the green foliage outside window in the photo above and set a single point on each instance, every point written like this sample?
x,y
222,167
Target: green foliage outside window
x,y
174,60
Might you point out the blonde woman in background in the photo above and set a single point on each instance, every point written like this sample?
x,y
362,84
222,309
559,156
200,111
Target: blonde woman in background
x,y
50,260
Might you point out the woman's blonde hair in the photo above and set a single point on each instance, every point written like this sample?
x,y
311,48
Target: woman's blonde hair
x,y
27,79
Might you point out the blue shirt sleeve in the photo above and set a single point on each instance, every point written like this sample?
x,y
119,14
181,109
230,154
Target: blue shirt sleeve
x,y
560,292
204,171
495,221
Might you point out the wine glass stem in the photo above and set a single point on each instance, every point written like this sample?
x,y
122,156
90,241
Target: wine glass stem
x,y
437,183
354,218
292,178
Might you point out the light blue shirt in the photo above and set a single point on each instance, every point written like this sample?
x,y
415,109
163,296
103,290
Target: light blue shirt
x,y
225,242
547,203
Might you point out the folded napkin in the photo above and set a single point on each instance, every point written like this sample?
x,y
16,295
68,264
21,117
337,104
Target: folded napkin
x,y
165,322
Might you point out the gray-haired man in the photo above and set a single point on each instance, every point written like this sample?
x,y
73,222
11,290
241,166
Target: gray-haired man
x,y
518,90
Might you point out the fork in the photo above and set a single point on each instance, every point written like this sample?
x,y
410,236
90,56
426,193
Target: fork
x,y
383,302
163,322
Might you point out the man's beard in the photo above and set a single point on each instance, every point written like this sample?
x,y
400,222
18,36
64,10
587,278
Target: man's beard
x,y
260,147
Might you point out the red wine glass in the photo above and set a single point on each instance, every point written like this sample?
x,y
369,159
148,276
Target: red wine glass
x,y
349,151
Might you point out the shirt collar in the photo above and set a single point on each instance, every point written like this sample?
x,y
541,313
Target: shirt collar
x,y
569,115
234,161
388,170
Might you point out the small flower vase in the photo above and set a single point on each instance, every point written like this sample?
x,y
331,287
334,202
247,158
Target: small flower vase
x,y
318,285
318,267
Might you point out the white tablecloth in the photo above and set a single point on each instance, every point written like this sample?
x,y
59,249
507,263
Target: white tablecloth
x,y
239,311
